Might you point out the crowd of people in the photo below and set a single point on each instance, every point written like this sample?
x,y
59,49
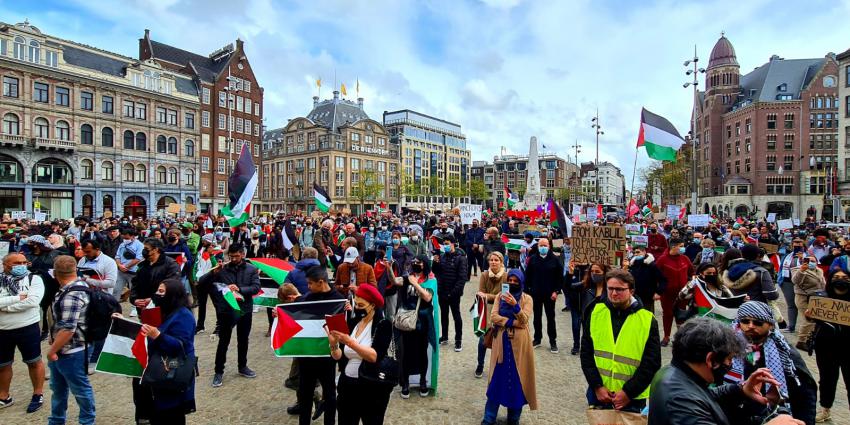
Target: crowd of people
x,y
59,279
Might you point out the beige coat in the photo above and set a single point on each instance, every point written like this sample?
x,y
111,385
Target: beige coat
x,y
521,344
492,285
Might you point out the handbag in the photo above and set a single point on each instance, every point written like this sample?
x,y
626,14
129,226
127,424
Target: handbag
x,y
614,417
405,320
170,374
488,337
386,371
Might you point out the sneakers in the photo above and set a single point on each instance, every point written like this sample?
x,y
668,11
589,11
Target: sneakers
x,y
320,408
458,346
666,341
133,312
35,403
248,373
823,415
290,383
444,341
199,331
574,351
6,403
536,343
788,330
479,371
802,345
217,380
405,393
424,392
553,347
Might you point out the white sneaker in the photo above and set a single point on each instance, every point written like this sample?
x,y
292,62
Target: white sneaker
x,y
133,312
256,309
90,369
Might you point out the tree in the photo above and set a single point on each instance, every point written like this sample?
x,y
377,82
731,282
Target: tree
x,y
366,187
454,190
478,191
519,189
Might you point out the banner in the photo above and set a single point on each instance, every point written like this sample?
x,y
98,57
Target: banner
x,y
592,214
19,215
640,240
698,220
469,212
602,244
40,216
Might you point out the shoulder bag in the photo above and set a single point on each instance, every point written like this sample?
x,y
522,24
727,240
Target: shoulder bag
x,y
386,371
405,320
170,374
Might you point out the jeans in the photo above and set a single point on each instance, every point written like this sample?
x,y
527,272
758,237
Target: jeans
x,y
69,373
123,281
542,302
451,303
482,351
243,330
491,410
788,291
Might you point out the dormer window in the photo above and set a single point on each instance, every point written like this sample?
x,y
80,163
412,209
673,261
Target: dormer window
x,y
34,52
782,87
20,44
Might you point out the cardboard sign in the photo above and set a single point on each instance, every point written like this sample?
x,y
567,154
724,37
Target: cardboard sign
x,y
659,216
698,220
602,244
107,214
769,248
557,243
40,216
173,208
673,212
640,240
191,208
784,224
830,310
469,212
771,218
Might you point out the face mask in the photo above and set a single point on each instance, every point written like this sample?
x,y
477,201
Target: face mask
x,y
158,299
697,240
383,227
681,250
217,234
414,238
371,228
543,250
652,230
639,258
172,239
840,285
146,253
719,372
712,279
19,270
154,226
597,278
447,248
396,241
416,268
736,239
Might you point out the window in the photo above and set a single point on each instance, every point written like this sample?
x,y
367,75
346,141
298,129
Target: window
x,y
257,108
63,95
205,119
771,142
239,101
106,137
221,122
11,125
160,115
141,142
52,171
788,162
355,164
239,125
789,141
771,121
161,144
205,96
220,166
141,111
160,174
63,130
190,120
86,101
771,162
247,106
222,99
106,171
41,93
129,108
190,177
221,190
141,173
817,185
205,163
86,135
246,85
737,128
128,140
247,127
10,87
190,149
87,169
172,175
748,125
20,50
256,129
172,117
172,146
128,171
34,52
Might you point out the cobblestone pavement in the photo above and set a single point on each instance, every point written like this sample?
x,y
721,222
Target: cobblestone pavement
x,y
560,387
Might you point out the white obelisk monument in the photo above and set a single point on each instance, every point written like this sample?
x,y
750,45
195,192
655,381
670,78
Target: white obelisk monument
x,y
533,197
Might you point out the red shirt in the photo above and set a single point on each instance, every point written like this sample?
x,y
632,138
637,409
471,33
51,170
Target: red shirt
x,y
677,270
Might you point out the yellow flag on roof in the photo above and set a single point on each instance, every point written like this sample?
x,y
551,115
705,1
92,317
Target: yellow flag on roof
x,y
319,82
342,90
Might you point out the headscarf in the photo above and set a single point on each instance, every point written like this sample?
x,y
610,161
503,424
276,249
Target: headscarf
x,y
777,352
40,240
505,309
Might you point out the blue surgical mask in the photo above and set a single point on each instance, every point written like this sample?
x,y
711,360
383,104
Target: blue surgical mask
x,y
447,248
543,250
681,250
639,258
396,241
697,240
736,238
19,270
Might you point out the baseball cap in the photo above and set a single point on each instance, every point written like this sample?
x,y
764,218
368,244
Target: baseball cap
x,y
350,254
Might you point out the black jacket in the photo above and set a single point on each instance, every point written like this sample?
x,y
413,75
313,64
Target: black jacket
x,y
110,246
382,334
451,273
543,275
245,276
682,397
650,361
648,278
149,276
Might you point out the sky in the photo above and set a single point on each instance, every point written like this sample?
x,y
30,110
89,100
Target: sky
x,y
505,70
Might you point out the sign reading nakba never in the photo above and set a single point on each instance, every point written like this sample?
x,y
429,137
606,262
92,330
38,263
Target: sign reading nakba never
x,y
602,244
829,310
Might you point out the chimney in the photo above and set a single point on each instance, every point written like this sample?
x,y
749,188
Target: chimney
x,y
147,33
336,96
315,101
238,44
360,103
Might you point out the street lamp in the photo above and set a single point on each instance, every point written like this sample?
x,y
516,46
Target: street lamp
x,y
577,147
599,132
230,105
695,71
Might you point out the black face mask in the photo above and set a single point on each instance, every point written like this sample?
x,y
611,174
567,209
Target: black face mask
x,y
841,285
172,239
146,253
652,230
712,279
158,300
719,372
416,268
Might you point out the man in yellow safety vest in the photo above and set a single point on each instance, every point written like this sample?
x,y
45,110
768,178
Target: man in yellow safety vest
x,y
620,347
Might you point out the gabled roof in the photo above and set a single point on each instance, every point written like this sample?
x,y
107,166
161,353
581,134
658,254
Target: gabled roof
x,y
273,134
335,113
764,84
207,69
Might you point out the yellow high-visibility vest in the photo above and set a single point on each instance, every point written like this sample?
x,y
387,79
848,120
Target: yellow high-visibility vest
x,y
618,360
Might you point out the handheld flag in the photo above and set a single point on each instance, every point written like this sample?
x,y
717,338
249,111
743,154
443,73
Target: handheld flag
x,y
267,297
229,296
723,309
274,268
480,321
242,185
658,136
125,350
298,330
323,200
633,208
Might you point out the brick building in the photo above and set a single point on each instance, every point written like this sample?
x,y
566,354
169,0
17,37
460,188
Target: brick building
x,y
510,170
755,151
231,115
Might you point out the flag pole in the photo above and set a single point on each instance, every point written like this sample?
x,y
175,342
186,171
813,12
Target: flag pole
x,y
632,192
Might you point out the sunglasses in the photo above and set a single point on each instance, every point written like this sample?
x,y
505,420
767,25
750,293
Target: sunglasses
x,y
753,321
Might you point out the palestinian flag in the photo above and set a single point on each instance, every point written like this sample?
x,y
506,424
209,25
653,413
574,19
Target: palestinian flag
x,y
229,296
298,330
510,243
125,351
274,268
433,332
178,257
339,238
559,219
480,321
646,211
435,242
267,297
510,197
723,309
658,136
206,261
323,200
242,185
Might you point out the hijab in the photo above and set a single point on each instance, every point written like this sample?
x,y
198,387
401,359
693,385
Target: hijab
x,y
506,309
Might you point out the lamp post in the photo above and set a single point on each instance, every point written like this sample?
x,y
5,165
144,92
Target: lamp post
x,y
598,129
694,134
230,105
577,147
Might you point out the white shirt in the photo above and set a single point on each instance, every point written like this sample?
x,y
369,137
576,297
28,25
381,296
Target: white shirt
x,y
352,369
105,267
14,313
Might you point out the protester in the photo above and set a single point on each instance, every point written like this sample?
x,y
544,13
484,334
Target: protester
x,y
543,277
831,345
791,261
747,276
706,276
297,277
353,272
473,240
677,270
808,280
451,272
127,259
415,343
512,380
41,257
492,242
489,288
102,276
176,245
649,281
21,293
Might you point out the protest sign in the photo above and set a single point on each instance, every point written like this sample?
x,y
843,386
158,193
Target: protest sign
x,y
173,208
659,216
769,248
796,221
830,310
632,229
19,215
40,216
469,212
698,220
640,240
592,214
673,212
602,244
771,217
784,224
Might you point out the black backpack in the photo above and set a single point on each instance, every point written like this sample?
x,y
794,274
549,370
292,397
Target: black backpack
x,y
98,312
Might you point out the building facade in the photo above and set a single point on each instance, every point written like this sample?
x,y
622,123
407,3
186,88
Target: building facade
x,y
337,146
612,188
510,171
485,172
90,132
435,163
231,115
755,152
843,191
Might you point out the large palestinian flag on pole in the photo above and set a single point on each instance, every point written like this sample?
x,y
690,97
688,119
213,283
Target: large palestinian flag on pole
x,y
241,187
723,309
658,136
125,351
298,330
323,200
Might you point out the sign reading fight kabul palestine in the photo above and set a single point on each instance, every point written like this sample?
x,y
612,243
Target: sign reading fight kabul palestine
x,y
469,212
830,310
673,212
784,224
771,217
698,220
602,244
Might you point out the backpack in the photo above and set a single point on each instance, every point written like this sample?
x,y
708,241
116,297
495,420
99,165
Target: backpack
x,y
98,312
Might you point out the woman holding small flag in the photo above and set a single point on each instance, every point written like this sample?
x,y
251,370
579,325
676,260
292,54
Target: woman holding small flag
x,y
489,287
418,294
